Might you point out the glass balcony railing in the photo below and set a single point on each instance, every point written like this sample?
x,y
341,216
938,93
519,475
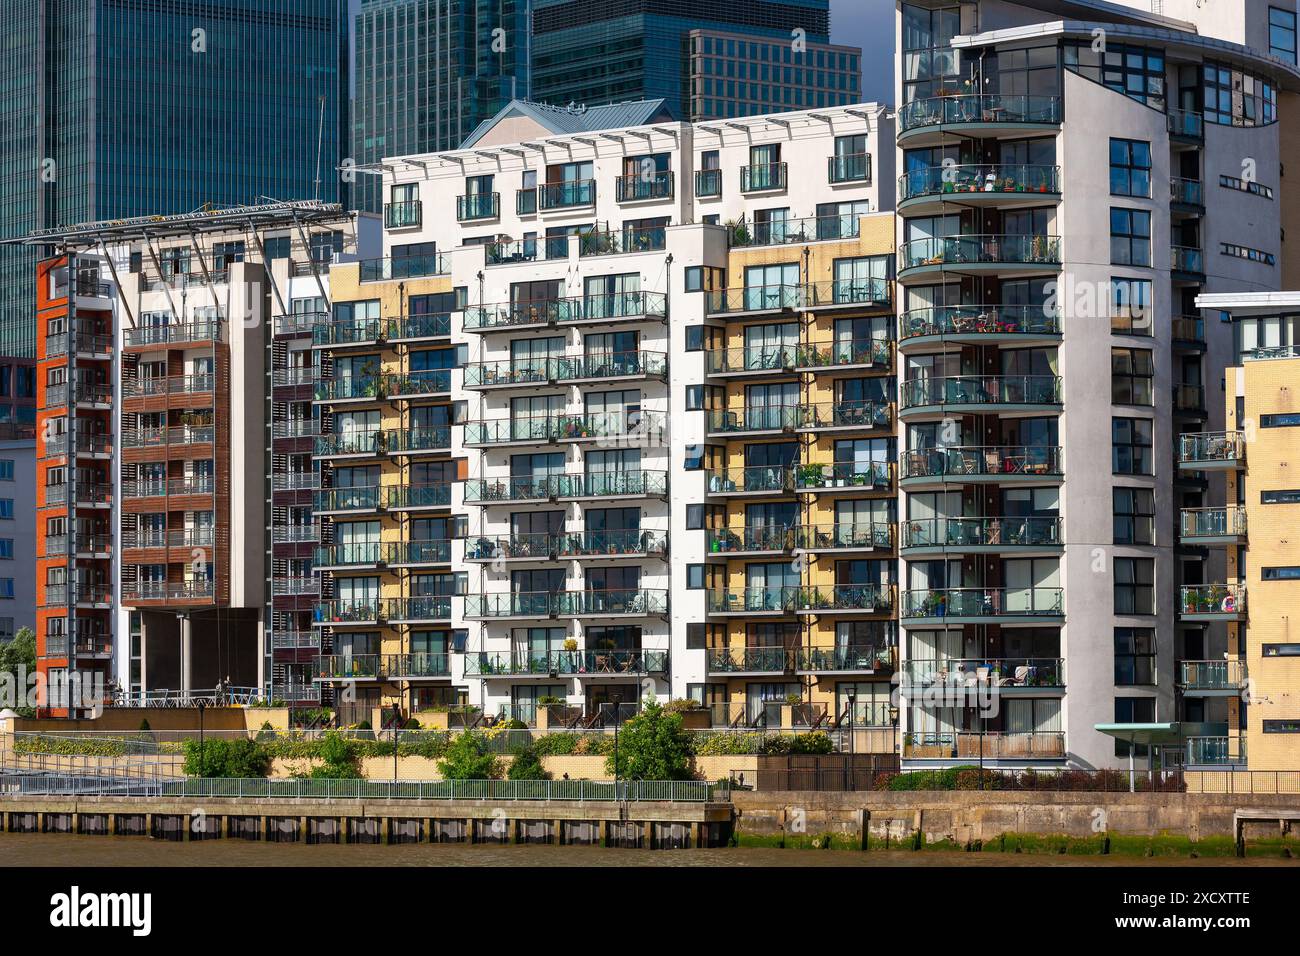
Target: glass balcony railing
x,y
426,325
763,177
982,390
752,600
849,168
576,662
564,369
989,249
846,414
423,607
991,320
505,605
1206,448
1189,397
845,536
526,202
992,745
776,232
402,215
751,660
348,666
982,602
1213,600
202,330
994,109
872,598
1213,523
628,240
616,305
638,188
478,206
987,179
351,611
581,192
411,497
422,438
708,183
411,266
1216,751
619,601
1186,259
762,298
847,657
1228,674
384,387
1002,532
1189,329
546,428
842,475
359,553
611,543
361,441
773,479
1002,672
1186,192
417,665
1186,124
740,540
877,352
364,498
757,419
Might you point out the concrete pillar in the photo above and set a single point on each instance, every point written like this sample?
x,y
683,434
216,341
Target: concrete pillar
x,y
557,832
864,828
187,654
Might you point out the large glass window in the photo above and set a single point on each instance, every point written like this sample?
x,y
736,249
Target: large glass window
x,y
1137,72
1132,377
1234,98
1135,515
1135,656
1130,168
1135,591
1131,442
1130,237
1281,34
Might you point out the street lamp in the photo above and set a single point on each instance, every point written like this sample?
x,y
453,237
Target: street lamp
x,y
853,700
203,769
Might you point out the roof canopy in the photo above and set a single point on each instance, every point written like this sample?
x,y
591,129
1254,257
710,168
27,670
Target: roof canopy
x,y
561,120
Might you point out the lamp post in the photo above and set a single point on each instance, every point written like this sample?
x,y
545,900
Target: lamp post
x,y
853,699
202,762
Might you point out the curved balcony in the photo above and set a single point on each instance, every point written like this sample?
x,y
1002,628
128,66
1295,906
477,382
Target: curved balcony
x,y
845,477
845,537
976,115
748,542
931,607
1006,535
1013,325
1200,526
925,260
846,599
1007,185
1212,602
633,427
981,394
766,480
605,308
1212,451
1023,676
755,602
853,416
980,464
600,367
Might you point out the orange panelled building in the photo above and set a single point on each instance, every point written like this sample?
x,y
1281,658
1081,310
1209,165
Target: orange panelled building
x,y
74,498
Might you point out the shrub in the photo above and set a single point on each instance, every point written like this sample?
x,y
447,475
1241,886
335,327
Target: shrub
x,y
340,757
652,746
226,758
527,765
468,759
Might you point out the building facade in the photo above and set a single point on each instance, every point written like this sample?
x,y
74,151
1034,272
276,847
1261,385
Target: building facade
x,y
90,131
17,535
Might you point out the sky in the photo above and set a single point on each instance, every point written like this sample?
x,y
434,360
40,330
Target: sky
x,y
870,25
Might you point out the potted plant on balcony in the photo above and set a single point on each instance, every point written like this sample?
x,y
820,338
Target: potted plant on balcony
x,y
810,475
738,232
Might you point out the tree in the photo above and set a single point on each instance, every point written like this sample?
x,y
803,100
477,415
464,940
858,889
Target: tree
x,y
527,765
468,759
18,658
652,746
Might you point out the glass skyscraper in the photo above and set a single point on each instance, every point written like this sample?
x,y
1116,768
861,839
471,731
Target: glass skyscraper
x,y
595,52
427,72
122,108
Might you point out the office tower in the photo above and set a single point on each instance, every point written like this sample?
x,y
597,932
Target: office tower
x,y
114,110
715,60
427,72
1068,189
160,524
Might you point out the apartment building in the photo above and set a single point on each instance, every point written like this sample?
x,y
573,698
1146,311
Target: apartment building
x,y
661,332
17,535
154,482
1245,693
1069,187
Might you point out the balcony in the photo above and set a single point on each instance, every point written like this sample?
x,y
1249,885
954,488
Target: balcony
x,y
708,183
1005,535
983,606
419,327
756,300
169,437
976,114
594,486
779,232
293,377
632,427
1186,125
764,177
168,385
526,202
422,440
478,206
1024,676
369,612
355,555
842,477
85,545
295,481
844,659
744,542
86,595
577,545
359,443
639,188
1222,678
1216,752
610,662
403,215
1013,325
420,553
994,745
624,242
753,421
1187,333
348,667
981,394
567,195
189,592
88,445
845,537
202,332
419,497
305,533
415,666
339,333
510,606
1187,263
742,661
756,602
427,383
386,269
350,500
295,586
1189,400
1005,185
1212,451
856,416
613,602
1212,602
597,367
845,355
1212,526
421,609
376,666
295,428
766,480
1187,196
848,168
289,640
298,323
604,308
926,259
846,599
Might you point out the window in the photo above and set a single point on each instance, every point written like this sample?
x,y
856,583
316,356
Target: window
x,y
694,517
1257,189
1234,98
1281,650
7,508
1130,237
1247,253
6,630
1135,510
1135,586
1133,710
694,577
696,635
1137,72
7,588
703,278
1288,497
7,548
1282,420
1132,377
1130,168
1130,306
1291,573
694,338
694,398
1135,656
1281,34
1130,441
6,469
1282,726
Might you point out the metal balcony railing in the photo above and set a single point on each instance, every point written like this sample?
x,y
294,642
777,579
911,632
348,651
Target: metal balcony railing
x,y
982,390
638,188
1213,599
1228,446
763,177
990,320
849,168
998,532
994,109
984,178
987,249
982,602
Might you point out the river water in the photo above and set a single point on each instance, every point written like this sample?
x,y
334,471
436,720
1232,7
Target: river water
x,y
37,849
